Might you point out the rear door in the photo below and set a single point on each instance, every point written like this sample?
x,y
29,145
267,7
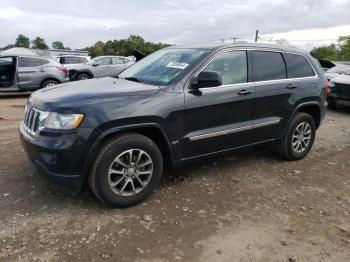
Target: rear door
x,y
118,65
31,72
274,94
8,73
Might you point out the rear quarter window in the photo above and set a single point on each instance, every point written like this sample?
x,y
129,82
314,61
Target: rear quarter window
x,y
268,66
298,66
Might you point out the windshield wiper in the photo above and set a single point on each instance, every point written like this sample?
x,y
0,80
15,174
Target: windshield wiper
x,y
134,79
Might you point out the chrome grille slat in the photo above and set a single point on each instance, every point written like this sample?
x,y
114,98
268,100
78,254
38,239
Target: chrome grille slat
x,y
31,120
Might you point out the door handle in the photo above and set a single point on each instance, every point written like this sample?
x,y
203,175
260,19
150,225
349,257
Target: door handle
x,y
42,70
291,86
244,92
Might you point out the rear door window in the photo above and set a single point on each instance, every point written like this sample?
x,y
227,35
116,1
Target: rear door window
x,y
298,66
71,60
268,66
31,62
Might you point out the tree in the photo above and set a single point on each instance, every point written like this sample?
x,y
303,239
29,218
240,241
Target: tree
x,y
39,43
57,45
124,47
22,41
340,52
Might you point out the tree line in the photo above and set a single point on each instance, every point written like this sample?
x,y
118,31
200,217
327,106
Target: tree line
x,y
36,43
334,52
339,51
123,47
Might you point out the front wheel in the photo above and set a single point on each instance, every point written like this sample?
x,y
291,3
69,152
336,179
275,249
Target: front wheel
x,y
299,138
127,170
83,76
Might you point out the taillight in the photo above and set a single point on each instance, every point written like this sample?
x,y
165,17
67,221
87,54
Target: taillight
x,y
327,87
63,69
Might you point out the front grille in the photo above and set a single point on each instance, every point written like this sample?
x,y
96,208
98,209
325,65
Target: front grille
x,y
31,120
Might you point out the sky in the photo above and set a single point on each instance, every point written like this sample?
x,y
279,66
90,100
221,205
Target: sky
x,y
304,23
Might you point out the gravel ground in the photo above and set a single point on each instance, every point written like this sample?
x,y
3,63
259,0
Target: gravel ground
x,y
247,206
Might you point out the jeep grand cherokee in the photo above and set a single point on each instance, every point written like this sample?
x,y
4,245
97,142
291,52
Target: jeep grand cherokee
x,y
176,105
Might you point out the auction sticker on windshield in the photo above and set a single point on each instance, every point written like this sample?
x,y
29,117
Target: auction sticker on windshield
x,y
177,65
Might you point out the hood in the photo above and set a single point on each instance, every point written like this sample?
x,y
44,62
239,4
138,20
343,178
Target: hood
x,y
342,79
96,90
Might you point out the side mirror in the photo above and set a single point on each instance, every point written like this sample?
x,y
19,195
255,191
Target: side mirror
x,y
207,79
95,64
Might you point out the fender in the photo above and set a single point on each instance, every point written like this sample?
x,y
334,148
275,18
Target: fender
x,y
98,142
295,110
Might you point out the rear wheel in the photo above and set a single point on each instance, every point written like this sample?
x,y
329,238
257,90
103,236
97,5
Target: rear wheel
x,y
83,76
127,170
49,82
299,138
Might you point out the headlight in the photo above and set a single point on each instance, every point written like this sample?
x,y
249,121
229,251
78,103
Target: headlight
x,y
55,120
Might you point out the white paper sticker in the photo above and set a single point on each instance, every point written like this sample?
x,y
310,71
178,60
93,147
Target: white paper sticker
x,y
177,65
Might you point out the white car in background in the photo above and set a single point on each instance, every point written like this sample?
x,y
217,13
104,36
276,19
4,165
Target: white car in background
x,y
337,70
72,60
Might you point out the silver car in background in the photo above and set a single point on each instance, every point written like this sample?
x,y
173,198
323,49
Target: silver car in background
x,y
100,66
28,73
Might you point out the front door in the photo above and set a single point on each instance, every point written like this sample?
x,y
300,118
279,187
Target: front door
x,y
220,118
8,73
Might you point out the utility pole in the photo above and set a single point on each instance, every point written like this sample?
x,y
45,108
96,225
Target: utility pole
x,y
256,35
234,39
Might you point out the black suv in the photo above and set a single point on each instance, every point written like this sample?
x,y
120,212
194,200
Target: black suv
x,y
176,105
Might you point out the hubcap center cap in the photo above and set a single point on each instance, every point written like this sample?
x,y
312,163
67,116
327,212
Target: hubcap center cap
x,y
131,171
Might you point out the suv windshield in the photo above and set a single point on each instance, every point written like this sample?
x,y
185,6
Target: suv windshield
x,y
163,67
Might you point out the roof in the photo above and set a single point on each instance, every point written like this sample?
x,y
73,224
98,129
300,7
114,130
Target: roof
x,y
18,51
285,48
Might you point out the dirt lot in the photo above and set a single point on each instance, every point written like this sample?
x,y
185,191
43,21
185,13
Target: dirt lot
x,y
249,206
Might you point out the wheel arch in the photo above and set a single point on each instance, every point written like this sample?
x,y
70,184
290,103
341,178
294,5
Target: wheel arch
x,y
88,72
313,109
151,130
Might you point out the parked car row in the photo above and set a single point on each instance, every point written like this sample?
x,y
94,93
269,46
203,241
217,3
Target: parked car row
x,y
28,73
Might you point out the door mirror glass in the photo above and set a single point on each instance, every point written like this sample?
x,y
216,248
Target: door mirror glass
x,y
207,79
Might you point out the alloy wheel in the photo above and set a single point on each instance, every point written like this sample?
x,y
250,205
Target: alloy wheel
x,y
301,137
130,172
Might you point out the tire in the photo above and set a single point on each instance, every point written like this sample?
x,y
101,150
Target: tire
x,y
107,171
285,146
82,76
49,82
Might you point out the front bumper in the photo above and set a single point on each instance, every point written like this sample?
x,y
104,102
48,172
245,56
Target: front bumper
x,y
57,158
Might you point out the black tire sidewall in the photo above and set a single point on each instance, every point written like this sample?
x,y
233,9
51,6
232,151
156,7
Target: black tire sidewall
x,y
82,74
101,186
46,82
300,117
